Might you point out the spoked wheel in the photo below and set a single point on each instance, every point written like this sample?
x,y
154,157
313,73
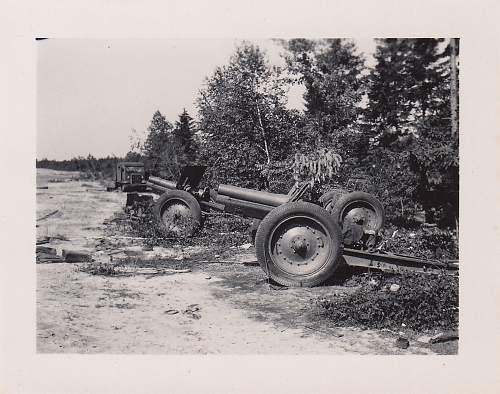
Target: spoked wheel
x,y
358,213
178,212
298,244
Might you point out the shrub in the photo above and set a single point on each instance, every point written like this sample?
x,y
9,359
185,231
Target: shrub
x,y
426,243
423,302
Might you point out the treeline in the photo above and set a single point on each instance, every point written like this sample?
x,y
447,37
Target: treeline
x,y
390,124
385,129
92,167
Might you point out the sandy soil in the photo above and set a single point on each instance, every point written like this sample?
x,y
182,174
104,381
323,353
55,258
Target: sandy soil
x,y
212,309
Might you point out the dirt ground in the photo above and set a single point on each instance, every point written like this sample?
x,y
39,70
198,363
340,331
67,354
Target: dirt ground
x,y
204,308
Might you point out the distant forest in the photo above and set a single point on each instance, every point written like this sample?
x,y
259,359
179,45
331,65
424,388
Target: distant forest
x,y
94,168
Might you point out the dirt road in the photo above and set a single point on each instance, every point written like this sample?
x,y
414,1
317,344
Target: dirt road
x,y
212,309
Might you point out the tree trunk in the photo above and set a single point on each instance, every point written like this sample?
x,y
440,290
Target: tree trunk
x,y
453,87
266,147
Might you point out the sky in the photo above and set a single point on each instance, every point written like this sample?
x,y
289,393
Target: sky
x,y
92,93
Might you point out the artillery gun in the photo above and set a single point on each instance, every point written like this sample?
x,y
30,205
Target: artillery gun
x,y
297,242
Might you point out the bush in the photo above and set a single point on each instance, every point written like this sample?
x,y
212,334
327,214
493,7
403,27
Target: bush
x,y
423,302
426,243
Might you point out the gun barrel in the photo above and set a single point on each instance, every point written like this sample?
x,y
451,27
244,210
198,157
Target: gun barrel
x,y
162,182
244,208
156,188
253,196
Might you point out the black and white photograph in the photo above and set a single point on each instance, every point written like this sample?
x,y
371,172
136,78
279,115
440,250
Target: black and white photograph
x,y
279,196
250,197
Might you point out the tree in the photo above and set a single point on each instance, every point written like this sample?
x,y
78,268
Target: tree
x,y
404,86
243,119
435,154
158,148
331,73
184,138
408,120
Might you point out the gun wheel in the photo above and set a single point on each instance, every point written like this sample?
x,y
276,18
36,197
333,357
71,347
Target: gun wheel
x,y
178,212
298,244
328,199
358,213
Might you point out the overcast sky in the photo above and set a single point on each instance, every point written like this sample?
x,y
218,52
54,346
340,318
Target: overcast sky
x,y
92,93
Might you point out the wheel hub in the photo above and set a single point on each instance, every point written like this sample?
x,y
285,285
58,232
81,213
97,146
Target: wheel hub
x,y
299,245
177,218
358,218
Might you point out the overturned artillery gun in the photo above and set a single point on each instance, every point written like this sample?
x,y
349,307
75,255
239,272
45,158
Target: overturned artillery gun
x,y
297,243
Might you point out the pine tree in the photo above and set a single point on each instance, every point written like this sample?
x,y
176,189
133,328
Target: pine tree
x,y
158,148
404,86
388,106
331,72
408,118
184,137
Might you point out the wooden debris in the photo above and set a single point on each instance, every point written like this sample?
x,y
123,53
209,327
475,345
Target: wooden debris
x,y
59,237
48,215
327,331
46,249
251,263
71,256
133,253
48,258
444,337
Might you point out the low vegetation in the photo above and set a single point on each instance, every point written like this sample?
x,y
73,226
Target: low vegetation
x,y
218,230
416,301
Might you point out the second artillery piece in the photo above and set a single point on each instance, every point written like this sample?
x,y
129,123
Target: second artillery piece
x,y
298,243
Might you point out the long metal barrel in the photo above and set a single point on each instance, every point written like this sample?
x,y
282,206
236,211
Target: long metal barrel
x,y
156,188
256,196
244,208
162,182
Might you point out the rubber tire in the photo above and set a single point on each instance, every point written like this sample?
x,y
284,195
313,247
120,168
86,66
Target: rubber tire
x,y
349,198
330,198
187,199
265,229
